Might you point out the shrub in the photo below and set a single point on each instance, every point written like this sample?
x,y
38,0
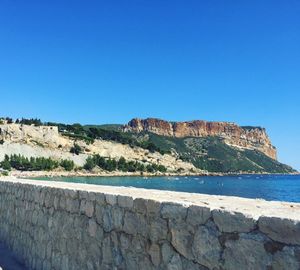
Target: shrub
x,y
76,149
5,173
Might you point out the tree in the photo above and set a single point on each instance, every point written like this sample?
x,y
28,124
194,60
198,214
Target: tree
x,y
162,168
32,121
89,164
22,163
110,164
9,120
68,165
5,164
149,168
122,165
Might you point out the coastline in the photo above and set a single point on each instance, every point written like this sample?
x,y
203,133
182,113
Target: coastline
x,y
29,174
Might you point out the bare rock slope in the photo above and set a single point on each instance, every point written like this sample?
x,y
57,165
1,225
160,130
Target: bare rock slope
x,y
47,141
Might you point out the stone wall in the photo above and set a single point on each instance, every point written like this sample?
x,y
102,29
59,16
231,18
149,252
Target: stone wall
x,y
54,225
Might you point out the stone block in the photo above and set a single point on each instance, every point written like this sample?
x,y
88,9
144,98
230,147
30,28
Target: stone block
x,y
230,222
247,252
111,199
158,229
153,207
182,240
125,201
286,231
140,206
131,223
197,215
206,247
173,211
87,207
92,228
154,252
288,258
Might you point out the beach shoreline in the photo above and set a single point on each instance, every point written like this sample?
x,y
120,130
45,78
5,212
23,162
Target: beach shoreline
x,y
36,174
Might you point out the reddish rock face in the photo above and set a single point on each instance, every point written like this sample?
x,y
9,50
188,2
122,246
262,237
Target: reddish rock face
x,y
246,137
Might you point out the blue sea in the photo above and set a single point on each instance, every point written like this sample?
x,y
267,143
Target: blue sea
x,y
268,187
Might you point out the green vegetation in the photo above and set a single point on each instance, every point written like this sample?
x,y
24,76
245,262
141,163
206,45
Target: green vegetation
x,y
31,121
88,140
111,135
76,149
7,119
22,163
115,127
68,165
213,155
4,173
121,137
24,121
5,164
252,127
121,164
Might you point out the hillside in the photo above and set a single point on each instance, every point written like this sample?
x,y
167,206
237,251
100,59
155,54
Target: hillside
x,y
191,147
212,146
73,142
213,155
253,138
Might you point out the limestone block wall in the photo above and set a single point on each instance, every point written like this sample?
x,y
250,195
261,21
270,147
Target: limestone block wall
x,y
52,225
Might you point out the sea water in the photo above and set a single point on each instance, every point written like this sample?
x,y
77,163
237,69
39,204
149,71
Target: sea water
x,y
268,187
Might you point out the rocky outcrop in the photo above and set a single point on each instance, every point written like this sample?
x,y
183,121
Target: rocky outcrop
x,y
47,136
254,138
55,225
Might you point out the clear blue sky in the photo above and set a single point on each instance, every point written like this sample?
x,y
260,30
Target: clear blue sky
x,y
109,61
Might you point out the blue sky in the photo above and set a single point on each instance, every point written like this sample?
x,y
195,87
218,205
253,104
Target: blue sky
x,y
110,61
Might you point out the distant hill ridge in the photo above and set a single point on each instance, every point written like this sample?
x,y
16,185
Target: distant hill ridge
x,y
181,147
252,138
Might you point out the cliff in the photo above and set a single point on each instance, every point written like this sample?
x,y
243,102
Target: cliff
x,y
184,147
252,138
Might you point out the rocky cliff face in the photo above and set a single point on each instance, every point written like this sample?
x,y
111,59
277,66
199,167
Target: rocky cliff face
x,y
254,138
47,136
